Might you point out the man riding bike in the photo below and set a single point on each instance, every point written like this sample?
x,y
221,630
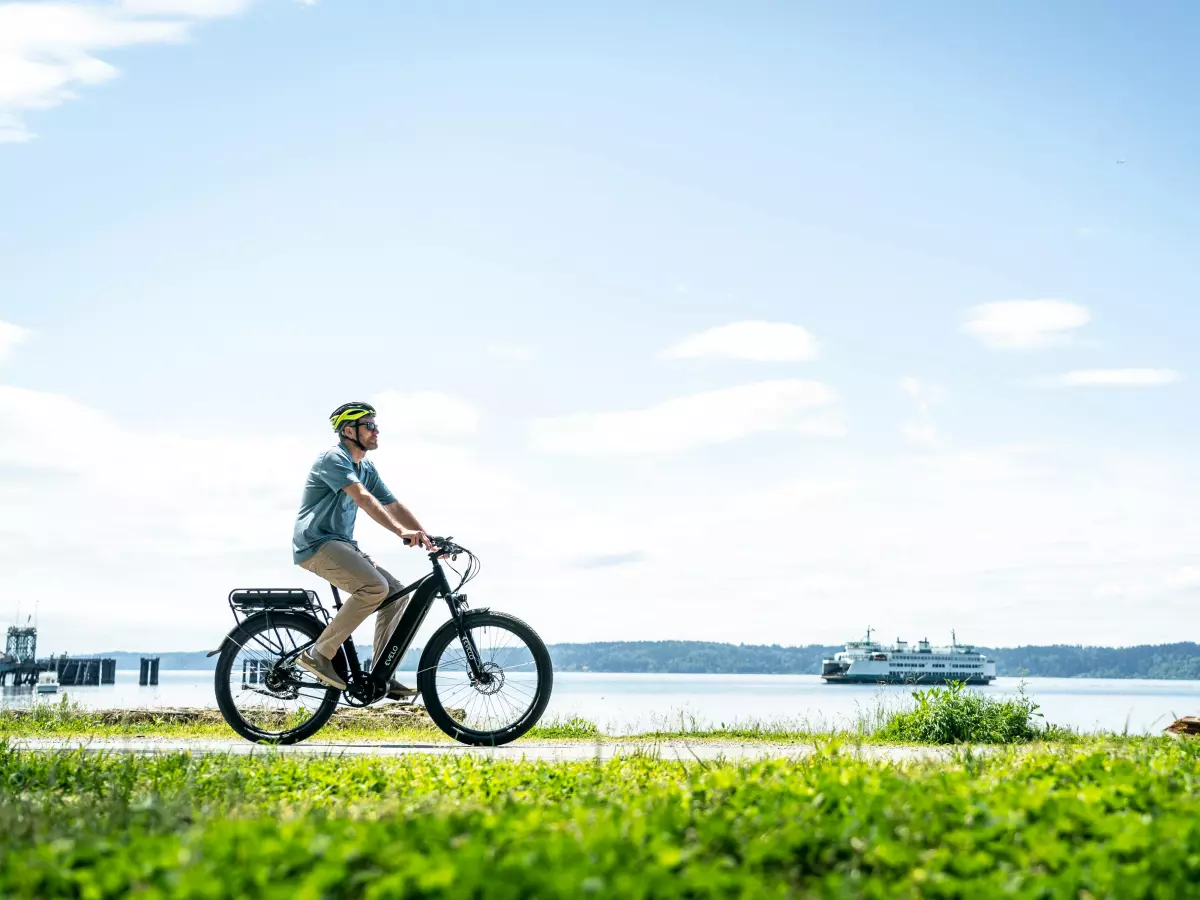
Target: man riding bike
x,y
341,482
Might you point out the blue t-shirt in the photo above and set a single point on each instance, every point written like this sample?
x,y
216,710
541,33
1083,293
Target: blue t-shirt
x,y
326,511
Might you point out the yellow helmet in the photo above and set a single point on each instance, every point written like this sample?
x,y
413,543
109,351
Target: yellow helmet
x,y
349,412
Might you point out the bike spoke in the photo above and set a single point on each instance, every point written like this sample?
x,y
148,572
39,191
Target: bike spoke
x,y
502,701
269,691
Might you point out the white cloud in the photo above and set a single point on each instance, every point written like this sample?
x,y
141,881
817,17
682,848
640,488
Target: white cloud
x,y
922,431
200,9
1008,545
425,414
712,417
510,353
1112,378
200,514
926,393
825,583
1025,324
10,336
758,341
924,434
1186,577
13,129
48,50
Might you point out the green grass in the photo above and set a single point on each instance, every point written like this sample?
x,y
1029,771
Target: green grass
x,y
1092,820
68,719
950,715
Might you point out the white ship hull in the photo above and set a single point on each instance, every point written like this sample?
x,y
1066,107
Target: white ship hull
x,y
907,679
869,662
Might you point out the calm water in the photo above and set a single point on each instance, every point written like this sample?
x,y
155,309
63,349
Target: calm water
x,y
621,703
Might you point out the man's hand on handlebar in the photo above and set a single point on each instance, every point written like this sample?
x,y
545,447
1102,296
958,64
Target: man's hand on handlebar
x,y
445,547
416,539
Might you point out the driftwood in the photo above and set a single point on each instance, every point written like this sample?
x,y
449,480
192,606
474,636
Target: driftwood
x,y
1188,725
392,715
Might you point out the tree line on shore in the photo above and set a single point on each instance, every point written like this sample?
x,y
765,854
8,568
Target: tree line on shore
x,y
1166,661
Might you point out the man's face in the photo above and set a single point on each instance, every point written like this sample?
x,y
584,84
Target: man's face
x,y
365,431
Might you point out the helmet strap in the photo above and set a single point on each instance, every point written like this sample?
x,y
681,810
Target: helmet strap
x,y
354,440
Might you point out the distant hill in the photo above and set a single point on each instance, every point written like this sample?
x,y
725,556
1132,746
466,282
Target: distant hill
x,y
1173,661
175,660
690,657
1169,661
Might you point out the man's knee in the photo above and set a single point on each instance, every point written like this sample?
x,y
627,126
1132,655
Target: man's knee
x,y
373,593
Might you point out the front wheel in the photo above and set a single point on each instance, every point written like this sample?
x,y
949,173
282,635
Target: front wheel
x,y
511,696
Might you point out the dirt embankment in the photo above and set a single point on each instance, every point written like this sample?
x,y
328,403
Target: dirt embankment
x,y
388,716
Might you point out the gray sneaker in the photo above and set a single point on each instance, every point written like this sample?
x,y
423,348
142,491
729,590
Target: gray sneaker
x,y
322,668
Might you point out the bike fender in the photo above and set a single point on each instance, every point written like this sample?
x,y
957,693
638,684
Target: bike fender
x,y
236,636
230,638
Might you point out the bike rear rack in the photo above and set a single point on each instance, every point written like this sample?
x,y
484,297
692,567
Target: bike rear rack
x,y
245,602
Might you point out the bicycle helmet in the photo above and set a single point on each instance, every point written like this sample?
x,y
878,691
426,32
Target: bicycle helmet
x,y
349,412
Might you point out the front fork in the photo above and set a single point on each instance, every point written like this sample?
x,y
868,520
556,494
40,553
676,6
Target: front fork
x,y
457,603
479,675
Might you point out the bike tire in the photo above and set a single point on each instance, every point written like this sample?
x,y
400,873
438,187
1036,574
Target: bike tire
x,y
428,672
258,624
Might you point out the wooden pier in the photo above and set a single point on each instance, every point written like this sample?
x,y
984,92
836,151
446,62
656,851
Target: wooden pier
x,y
72,671
20,666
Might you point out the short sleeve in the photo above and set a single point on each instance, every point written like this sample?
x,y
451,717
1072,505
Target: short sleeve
x,y
373,483
336,471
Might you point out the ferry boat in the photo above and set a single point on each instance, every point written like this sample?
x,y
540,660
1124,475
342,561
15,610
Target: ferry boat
x,y
870,662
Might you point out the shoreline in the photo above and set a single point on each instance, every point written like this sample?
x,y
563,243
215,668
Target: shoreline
x,y
406,726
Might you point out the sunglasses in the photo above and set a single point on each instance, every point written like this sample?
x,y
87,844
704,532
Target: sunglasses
x,y
370,426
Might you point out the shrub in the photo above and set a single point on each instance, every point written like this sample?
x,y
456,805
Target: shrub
x,y
955,715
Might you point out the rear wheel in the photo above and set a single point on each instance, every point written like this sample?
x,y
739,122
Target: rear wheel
x,y
262,693
510,698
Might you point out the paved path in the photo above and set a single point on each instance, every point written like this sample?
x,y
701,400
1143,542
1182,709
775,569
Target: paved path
x,y
553,751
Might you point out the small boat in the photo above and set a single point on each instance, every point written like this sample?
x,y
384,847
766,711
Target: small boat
x,y
47,683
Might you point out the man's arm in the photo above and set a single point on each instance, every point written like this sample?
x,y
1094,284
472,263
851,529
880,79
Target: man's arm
x,y
384,516
403,515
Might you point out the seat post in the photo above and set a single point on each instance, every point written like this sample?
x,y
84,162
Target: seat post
x,y
337,598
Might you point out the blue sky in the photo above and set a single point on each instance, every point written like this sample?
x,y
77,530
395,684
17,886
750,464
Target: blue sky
x,y
219,219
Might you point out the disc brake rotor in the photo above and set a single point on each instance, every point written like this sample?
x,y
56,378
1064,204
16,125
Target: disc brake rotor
x,y
494,683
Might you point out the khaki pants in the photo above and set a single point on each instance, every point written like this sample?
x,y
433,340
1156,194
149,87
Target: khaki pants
x,y
349,569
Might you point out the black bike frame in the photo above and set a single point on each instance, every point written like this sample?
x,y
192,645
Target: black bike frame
x,y
369,688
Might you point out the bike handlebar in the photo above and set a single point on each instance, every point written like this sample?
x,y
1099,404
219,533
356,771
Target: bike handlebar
x,y
441,546
445,546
